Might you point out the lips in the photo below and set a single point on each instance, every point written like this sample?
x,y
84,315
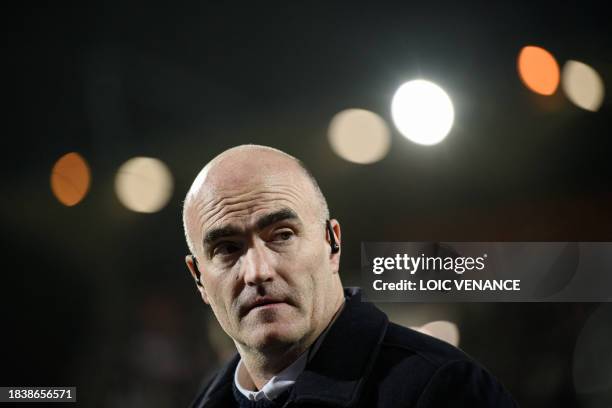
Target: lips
x,y
259,302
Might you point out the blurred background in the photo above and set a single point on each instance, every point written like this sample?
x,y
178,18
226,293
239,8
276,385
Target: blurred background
x,y
113,107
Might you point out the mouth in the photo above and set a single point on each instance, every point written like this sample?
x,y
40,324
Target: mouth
x,y
261,303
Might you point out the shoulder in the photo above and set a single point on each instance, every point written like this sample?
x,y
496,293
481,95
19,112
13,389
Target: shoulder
x,y
423,371
434,352
404,351
217,385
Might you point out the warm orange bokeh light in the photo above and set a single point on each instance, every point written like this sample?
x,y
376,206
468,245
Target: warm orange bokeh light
x,y
539,70
70,178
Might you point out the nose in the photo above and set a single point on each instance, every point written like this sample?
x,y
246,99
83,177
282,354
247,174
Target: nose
x,y
257,266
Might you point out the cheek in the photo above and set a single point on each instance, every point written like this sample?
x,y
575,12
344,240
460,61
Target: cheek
x,y
309,273
317,261
220,296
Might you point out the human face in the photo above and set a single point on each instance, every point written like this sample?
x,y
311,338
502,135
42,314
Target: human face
x,y
265,263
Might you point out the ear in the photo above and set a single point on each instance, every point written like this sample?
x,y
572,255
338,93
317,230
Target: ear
x,y
196,275
335,258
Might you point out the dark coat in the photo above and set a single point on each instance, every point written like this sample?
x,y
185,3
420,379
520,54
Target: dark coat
x,y
367,361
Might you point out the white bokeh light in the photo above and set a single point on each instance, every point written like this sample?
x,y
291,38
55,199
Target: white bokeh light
x,y
144,184
422,112
443,330
582,85
359,136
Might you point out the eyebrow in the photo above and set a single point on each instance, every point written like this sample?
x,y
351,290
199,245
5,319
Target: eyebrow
x,y
277,216
263,222
218,233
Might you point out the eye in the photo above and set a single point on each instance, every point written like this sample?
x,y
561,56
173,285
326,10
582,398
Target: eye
x,y
282,235
226,248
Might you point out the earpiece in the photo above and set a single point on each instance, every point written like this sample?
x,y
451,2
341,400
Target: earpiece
x,y
195,264
335,248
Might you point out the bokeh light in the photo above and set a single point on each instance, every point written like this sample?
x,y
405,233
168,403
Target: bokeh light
x,y
144,184
582,85
422,112
538,70
70,179
359,136
443,330
592,365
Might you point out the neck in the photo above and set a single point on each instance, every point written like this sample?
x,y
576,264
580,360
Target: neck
x,y
259,366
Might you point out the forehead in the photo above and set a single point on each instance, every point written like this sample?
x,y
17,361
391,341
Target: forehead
x,y
240,192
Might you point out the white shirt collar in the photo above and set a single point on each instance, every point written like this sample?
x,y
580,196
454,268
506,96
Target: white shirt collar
x,y
286,378
275,385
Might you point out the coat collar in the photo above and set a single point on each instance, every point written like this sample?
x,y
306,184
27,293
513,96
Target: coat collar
x,y
341,366
336,373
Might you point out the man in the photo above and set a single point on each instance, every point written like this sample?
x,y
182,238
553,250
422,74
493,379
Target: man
x,y
265,256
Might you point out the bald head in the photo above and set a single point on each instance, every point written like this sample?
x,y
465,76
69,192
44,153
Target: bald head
x,y
243,170
255,220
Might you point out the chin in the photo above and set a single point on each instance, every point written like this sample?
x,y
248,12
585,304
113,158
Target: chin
x,y
267,336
